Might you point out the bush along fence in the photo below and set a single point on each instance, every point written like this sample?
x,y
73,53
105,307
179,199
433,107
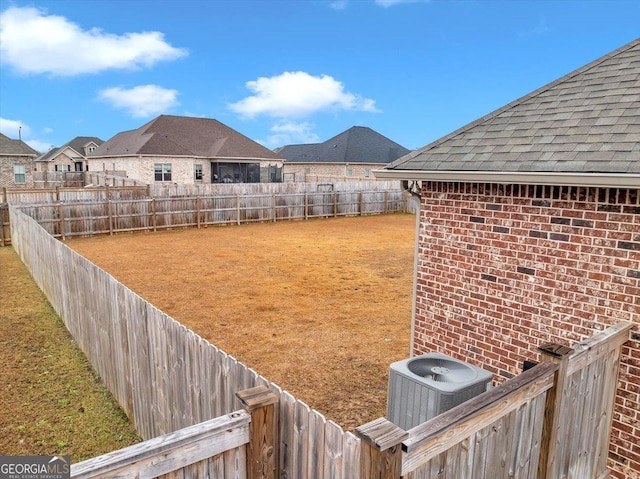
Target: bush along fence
x,y
549,422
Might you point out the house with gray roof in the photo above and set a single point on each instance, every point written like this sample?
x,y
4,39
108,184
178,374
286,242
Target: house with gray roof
x,y
529,231
354,153
72,156
16,163
187,150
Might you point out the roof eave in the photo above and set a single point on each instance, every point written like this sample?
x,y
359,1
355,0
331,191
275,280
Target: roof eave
x,y
608,180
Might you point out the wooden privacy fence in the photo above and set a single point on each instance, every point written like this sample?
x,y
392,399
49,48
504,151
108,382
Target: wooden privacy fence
x,y
519,429
86,218
163,375
71,195
52,179
550,422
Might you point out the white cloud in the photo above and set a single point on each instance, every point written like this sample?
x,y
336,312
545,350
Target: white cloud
x,y
338,4
40,146
141,101
298,94
33,42
16,129
539,29
288,133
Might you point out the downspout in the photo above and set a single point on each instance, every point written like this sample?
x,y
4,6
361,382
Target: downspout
x,y
414,190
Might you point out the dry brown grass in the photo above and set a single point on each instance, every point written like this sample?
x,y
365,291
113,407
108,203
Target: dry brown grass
x,y
319,307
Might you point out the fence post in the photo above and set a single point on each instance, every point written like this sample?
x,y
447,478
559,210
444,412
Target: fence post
x,y
386,201
306,206
360,202
335,203
4,195
381,449
275,211
548,464
153,213
260,403
238,209
110,213
198,211
61,218
2,240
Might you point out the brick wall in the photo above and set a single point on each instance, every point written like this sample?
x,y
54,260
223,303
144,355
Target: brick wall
x,y
182,168
505,268
7,173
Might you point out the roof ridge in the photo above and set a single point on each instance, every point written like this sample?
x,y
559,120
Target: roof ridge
x,y
517,102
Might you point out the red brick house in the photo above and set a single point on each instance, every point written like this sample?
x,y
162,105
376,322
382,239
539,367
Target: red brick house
x,y
529,231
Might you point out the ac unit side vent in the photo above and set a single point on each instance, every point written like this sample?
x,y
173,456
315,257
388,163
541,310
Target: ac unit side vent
x,y
424,387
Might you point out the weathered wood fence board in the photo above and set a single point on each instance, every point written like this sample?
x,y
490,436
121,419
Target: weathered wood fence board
x,y
213,449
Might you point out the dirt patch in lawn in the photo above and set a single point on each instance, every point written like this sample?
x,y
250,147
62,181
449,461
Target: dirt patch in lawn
x,y
52,401
320,307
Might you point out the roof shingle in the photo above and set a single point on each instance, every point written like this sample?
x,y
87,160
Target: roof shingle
x,y
169,135
587,121
358,144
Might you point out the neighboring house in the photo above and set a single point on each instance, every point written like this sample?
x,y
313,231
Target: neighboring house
x,y
529,231
187,150
16,163
353,153
71,156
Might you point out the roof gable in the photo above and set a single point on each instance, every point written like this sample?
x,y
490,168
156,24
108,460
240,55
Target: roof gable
x,y
358,144
587,121
169,135
10,147
77,146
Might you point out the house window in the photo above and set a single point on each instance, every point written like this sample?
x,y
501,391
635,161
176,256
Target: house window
x,y
19,175
63,167
275,174
349,171
197,172
235,172
162,171
366,173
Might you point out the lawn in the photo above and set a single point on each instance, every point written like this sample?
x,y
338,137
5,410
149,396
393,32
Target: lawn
x,y
52,401
320,307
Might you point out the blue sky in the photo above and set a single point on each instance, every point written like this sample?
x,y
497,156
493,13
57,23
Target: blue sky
x,y
283,72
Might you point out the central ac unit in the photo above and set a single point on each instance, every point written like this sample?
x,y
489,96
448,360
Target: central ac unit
x,y
423,387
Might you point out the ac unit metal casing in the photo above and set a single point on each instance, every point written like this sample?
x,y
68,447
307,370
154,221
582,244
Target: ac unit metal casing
x,y
414,399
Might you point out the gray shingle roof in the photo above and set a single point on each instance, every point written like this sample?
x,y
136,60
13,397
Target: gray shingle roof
x,y
9,147
78,144
358,144
587,121
169,135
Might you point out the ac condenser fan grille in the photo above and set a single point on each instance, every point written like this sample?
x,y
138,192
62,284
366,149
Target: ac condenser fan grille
x,y
442,370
